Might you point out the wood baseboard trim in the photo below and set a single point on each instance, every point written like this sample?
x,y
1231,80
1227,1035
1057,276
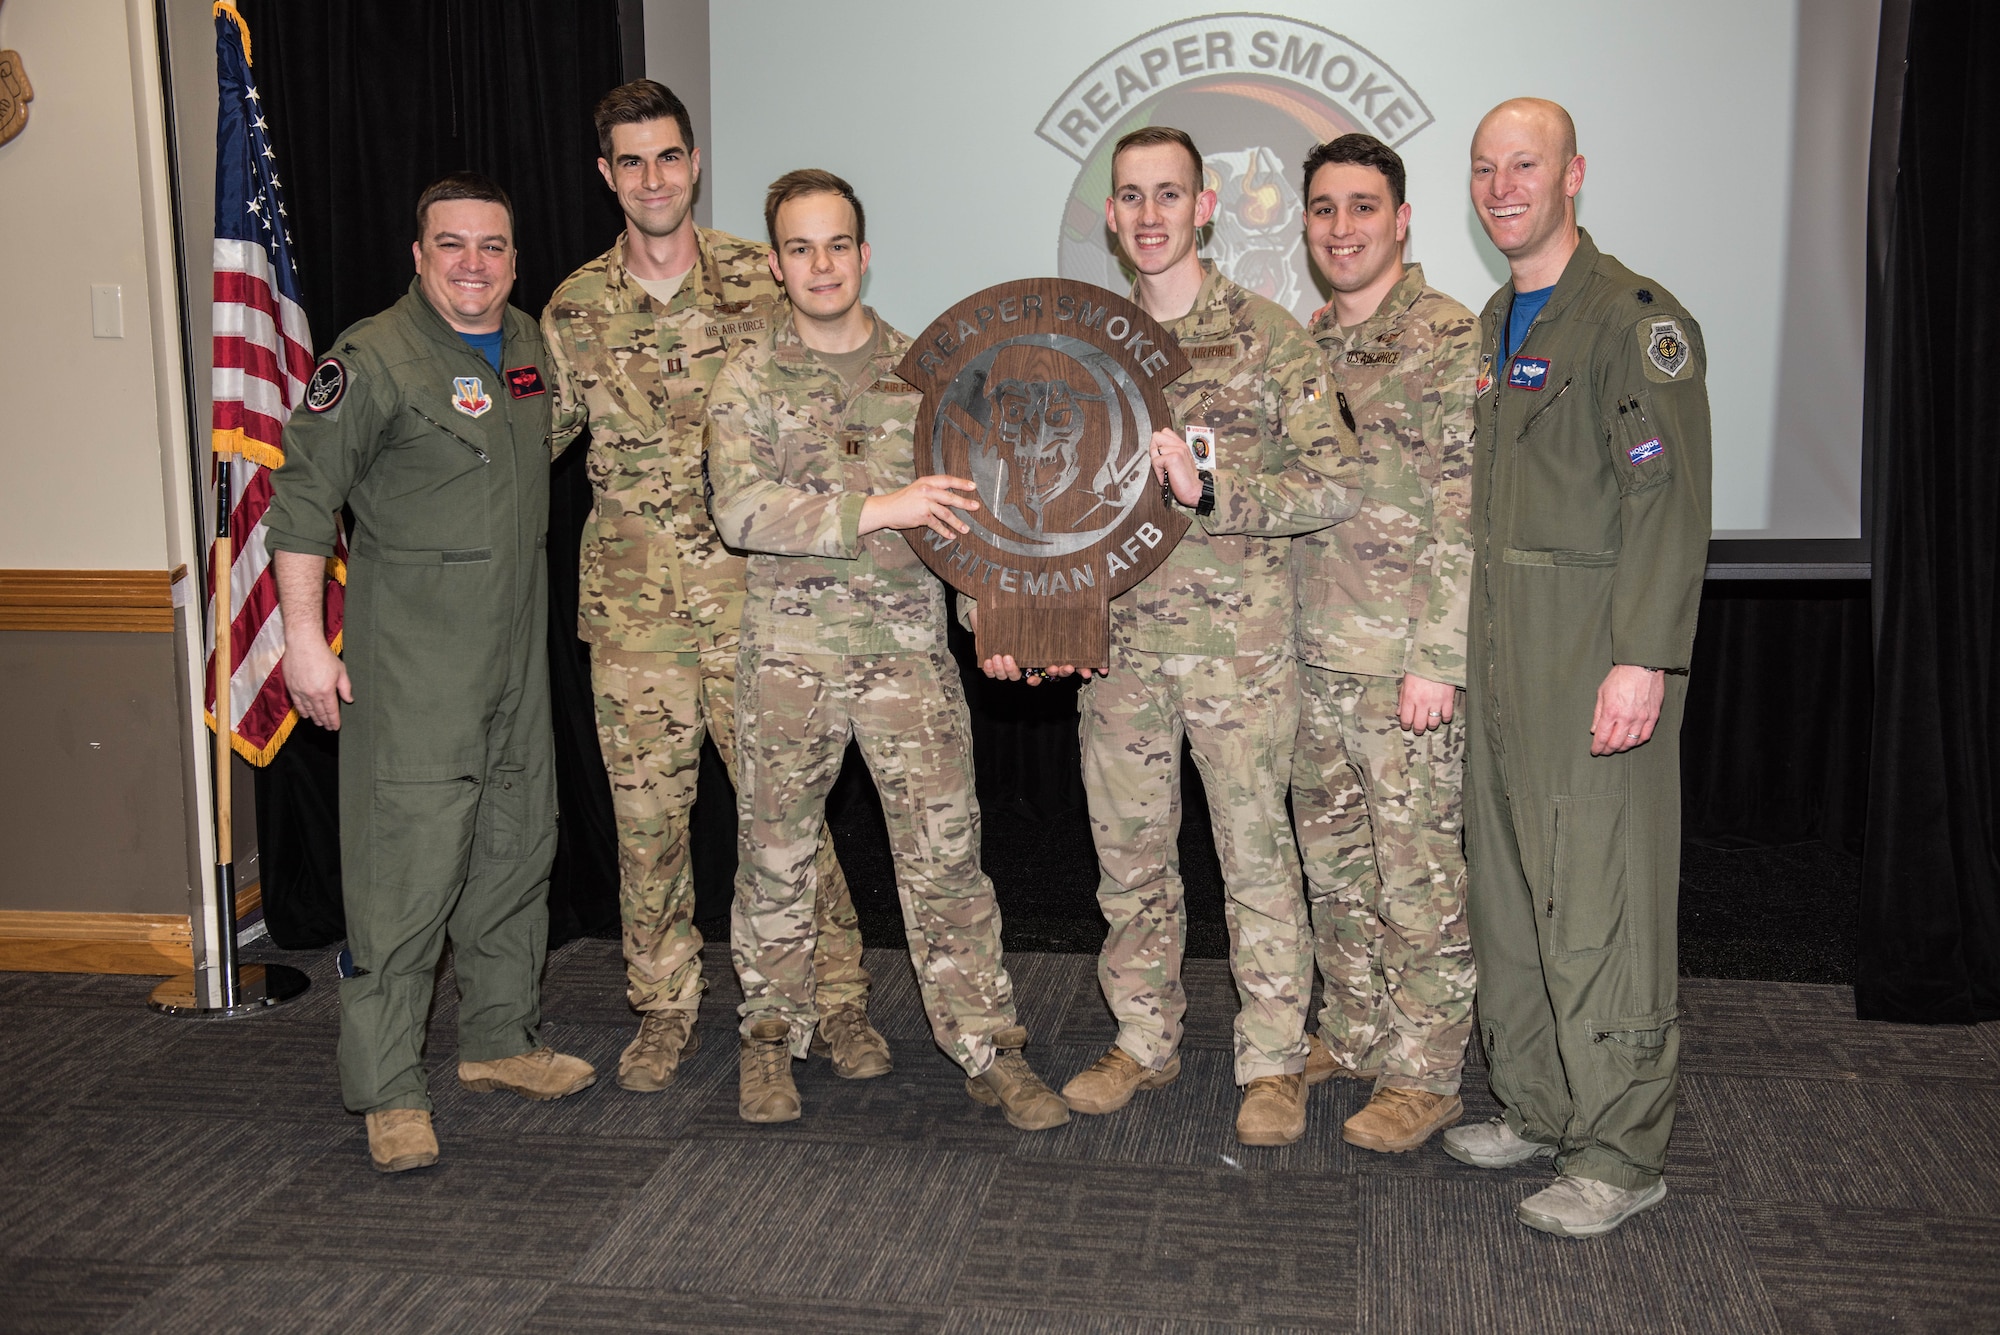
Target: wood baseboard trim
x,y
107,600
152,944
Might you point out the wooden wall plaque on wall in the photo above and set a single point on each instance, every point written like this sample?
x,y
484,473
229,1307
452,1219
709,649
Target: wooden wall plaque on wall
x,y
1046,393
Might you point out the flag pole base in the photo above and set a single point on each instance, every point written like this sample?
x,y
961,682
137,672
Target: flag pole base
x,y
259,987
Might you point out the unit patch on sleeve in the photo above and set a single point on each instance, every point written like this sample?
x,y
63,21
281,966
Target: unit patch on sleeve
x,y
524,382
1644,450
1667,352
1528,372
328,383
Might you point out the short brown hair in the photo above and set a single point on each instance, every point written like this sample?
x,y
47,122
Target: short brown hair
x,y
1158,134
639,100
462,185
810,181
1360,150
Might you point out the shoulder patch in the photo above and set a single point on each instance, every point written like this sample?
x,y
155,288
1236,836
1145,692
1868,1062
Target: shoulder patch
x,y
1666,349
328,383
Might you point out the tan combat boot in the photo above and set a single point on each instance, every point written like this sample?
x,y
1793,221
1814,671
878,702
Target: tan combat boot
x,y
1396,1120
1009,1085
1109,1083
651,1060
764,1088
1322,1065
400,1139
858,1052
1273,1111
541,1074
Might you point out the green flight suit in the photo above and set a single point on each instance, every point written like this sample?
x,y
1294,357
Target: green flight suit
x,y
1590,501
447,764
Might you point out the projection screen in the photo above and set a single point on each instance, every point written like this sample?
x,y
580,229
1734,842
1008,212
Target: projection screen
x,y
1726,144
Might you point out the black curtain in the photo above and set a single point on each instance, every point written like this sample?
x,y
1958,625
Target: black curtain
x,y
369,101
1930,911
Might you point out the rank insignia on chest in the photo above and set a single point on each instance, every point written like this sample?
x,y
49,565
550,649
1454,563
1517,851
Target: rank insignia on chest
x,y
1485,374
1528,373
469,396
673,366
525,382
853,442
1666,346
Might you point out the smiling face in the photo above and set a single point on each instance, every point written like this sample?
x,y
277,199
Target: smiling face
x,y
1157,206
465,263
817,258
1354,229
652,171
1525,176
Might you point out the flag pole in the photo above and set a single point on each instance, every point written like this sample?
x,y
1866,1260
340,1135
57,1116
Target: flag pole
x,y
216,989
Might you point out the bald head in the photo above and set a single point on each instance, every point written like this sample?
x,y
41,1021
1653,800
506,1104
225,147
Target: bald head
x,y
1547,122
1525,175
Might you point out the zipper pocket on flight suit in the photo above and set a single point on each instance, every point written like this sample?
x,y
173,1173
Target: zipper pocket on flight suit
x,y
484,457
1542,411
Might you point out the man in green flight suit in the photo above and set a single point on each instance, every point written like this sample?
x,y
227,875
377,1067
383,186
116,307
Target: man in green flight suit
x,y
638,336
1590,536
431,422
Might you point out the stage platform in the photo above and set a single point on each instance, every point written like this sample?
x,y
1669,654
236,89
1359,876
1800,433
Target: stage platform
x,y
165,1176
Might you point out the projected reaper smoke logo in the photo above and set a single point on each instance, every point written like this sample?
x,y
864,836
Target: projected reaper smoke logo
x,y
1257,92
1028,410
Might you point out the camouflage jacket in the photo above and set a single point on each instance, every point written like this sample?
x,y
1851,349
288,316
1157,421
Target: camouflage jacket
x,y
1284,464
655,577
791,461
1388,591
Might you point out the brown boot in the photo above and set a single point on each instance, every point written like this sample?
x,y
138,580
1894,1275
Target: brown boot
x,y
1017,1091
541,1074
651,1060
858,1052
1396,1120
764,1088
1273,1111
1322,1065
400,1139
1109,1083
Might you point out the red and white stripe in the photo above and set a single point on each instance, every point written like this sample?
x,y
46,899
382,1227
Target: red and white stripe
x,y
263,358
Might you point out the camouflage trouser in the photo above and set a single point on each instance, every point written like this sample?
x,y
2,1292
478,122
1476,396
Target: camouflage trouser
x,y
1379,814
907,711
652,712
1239,716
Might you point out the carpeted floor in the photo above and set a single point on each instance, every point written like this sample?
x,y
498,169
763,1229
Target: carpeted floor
x,y
167,1176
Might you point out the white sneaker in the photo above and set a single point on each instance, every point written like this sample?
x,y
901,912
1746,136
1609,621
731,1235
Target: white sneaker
x,y
1493,1144
1583,1207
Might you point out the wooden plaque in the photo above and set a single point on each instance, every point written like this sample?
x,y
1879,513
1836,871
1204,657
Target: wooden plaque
x,y
1046,392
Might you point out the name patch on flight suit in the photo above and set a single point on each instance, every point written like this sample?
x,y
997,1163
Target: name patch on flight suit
x,y
469,396
1530,373
524,382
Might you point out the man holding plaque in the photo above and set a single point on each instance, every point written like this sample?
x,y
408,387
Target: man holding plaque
x,y
1378,776
638,335
1201,649
811,469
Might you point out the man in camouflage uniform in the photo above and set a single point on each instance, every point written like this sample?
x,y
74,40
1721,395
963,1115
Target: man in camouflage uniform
x,y
812,468
1590,538
1201,649
638,336
1377,777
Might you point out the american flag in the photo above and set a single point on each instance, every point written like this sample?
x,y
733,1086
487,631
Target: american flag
x,y
263,358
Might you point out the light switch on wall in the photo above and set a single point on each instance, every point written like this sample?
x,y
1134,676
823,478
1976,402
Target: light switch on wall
x,y
107,310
